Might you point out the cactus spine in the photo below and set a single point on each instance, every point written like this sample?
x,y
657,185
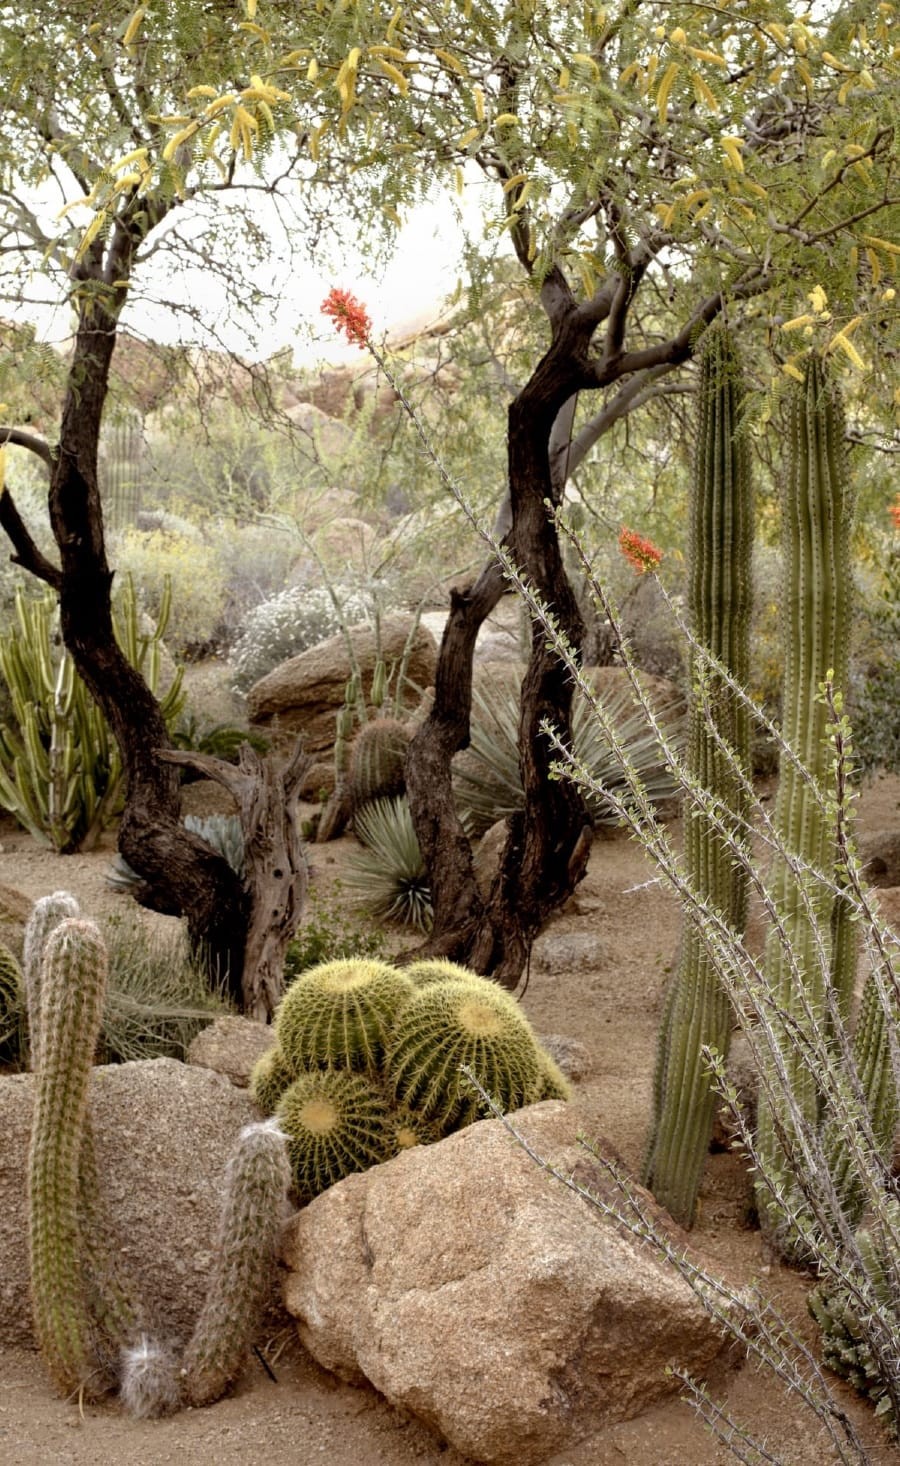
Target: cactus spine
x,y
339,1014
71,1010
46,915
336,1122
256,1190
698,1012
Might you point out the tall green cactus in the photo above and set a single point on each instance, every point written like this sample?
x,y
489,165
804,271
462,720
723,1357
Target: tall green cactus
x,y
817,513
60,769
71,1009
121,462
698,1011
257,1182
91,1327
377,762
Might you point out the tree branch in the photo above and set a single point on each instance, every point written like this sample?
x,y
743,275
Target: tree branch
x,y
27,553
22,438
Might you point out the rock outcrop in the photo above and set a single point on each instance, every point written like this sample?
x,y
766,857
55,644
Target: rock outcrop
x,y
163,1133
487,1299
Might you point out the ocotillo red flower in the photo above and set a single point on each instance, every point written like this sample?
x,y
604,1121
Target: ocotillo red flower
x,y
641,554
348,314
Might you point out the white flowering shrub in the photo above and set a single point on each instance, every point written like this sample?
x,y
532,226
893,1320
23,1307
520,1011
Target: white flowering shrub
x,y
288,623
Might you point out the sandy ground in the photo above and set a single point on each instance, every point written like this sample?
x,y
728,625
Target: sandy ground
x,y
613,1008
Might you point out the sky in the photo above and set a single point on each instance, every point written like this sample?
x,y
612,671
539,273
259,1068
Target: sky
x,y
408,291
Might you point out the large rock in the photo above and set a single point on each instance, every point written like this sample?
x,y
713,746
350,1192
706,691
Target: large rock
x,y
163,1133
304,694
231,1046
488,1300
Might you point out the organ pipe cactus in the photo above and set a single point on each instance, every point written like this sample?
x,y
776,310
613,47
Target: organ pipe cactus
x,y
817,513
698,1011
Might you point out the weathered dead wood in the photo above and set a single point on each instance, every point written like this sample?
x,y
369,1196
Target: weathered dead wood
x,y
266,791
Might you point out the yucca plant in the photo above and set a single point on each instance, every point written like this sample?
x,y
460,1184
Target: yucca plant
x,y
486,781
389,877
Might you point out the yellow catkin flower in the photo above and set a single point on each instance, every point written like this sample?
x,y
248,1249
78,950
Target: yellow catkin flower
x,y
133,26
732,147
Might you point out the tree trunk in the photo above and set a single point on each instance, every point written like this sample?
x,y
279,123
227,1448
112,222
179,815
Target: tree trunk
x,y
546,849
182,875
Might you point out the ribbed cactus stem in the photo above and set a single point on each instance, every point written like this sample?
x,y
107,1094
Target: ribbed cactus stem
x,y
872,1045
46,915
698,1011
71,1007
377,761
816,523
256,1189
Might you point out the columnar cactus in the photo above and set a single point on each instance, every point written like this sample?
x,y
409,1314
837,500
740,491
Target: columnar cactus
x,y
377,761
46,915
817,512
256,1193
71,1008
698,1011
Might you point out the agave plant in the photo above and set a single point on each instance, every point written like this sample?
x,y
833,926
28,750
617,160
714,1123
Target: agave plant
x,y
486,780
389,877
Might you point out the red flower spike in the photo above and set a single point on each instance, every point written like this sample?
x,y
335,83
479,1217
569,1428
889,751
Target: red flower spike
x,y
894,512
642,555
348,314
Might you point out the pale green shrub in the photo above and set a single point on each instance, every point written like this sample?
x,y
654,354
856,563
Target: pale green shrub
x,y
198,585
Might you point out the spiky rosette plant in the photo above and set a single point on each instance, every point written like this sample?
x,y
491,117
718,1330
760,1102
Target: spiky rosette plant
x,y
698,1012
270,1076
340,1014
336,1123
389,877
448,1024
817,514
256,1187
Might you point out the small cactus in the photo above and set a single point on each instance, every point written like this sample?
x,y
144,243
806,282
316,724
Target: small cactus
x,y
377,759
46,915
74,981
256,1191
270,1077
448,1024
336,1123
339,1014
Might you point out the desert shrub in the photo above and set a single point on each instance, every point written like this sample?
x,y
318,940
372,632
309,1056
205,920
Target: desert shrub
x,y
256,562
197,581
329,932
158,997
289,623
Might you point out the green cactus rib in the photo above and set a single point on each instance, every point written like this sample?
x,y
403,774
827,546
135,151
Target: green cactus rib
x,y
270,1076
448,1024
697,1011
336,1123
71,1011
437,969
377,761
817,513
340,1014
46,915
257,1183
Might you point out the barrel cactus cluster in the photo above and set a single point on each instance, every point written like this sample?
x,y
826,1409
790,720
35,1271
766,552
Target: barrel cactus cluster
x,y
369,1060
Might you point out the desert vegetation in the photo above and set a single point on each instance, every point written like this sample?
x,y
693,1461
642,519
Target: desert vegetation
x,y
611,545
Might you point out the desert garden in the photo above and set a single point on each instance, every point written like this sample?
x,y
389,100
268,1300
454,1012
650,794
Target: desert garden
x,y
449,772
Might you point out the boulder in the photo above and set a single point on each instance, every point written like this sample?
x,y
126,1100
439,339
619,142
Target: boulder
x,y
487,1300
880,857
304,694
563,952
231,1046
163,1133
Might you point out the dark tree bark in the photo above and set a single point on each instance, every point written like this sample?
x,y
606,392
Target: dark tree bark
x,y
181,875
